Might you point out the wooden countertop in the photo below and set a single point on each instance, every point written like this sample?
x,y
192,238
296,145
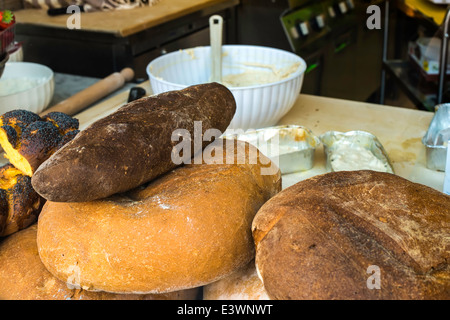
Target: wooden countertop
x,y
124,22
400,130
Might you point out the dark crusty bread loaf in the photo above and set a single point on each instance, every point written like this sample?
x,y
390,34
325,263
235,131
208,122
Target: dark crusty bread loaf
x,y
185,229
339,235
24,277
132,145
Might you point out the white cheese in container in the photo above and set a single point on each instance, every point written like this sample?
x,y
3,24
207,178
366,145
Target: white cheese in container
x,y
291,148
354,150
346,157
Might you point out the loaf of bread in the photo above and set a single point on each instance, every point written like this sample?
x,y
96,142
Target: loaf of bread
x,y
185,229
28,140
244,284
20,205
24,277
354,235
133,145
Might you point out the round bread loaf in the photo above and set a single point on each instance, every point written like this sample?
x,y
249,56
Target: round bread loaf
x,y
24,277
354,235
185,229
243,284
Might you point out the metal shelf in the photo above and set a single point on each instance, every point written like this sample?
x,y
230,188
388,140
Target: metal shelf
x,y
411,83
425,95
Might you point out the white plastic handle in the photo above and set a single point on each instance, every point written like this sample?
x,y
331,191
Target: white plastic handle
x,y
215,32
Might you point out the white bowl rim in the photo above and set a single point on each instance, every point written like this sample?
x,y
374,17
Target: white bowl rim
x,y
47,78
301,70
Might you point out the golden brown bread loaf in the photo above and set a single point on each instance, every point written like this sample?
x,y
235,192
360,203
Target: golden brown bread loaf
x,y
28,140
340,235
24,277
20,205
185,229
244,284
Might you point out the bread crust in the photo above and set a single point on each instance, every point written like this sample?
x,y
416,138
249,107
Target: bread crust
x,y
185,229
132,145
318,238
243,284
28,140
20,205
24,277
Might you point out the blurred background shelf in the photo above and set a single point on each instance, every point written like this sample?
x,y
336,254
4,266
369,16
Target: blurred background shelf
x,y
405,22
421,93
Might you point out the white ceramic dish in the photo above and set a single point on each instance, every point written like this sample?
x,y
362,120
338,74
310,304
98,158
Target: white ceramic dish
x,y
258,105
26,85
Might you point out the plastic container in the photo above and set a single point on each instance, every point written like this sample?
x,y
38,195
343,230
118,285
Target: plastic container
x,y
259,104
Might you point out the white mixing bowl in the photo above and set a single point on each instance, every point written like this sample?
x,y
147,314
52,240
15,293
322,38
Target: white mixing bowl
x,y
26,85
258,104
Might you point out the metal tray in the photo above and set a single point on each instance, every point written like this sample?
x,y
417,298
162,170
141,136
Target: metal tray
x,y
290,147
436,138
368,154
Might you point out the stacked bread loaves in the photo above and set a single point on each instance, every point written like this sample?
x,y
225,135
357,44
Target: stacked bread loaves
x,y
122,219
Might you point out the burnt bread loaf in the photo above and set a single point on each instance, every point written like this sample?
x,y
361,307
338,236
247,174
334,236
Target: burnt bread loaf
x,y
20,205
354,235
28,140
24,277
189,227
132,145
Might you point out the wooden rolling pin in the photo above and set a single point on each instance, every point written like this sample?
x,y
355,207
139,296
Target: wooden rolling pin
x,y
95,92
